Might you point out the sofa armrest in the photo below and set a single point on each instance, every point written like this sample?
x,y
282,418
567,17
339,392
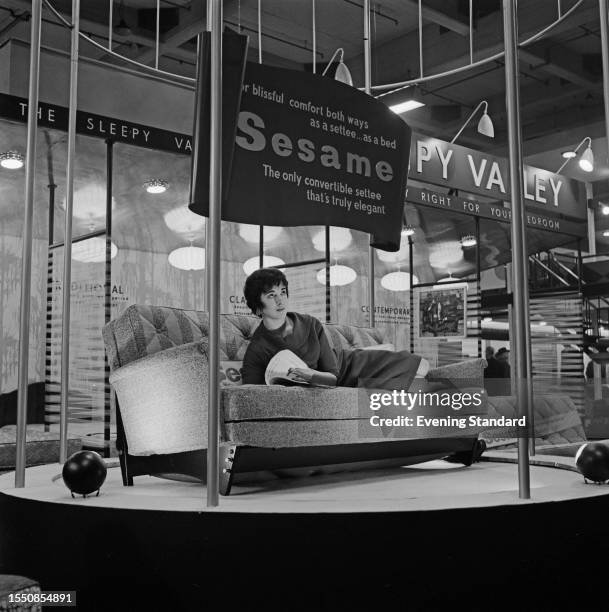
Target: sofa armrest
x,y
163,400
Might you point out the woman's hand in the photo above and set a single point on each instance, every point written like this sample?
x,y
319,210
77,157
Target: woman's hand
x,y
301,375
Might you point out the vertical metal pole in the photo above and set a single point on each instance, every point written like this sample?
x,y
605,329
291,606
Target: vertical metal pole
x,y
605,56
261,246
108,284
367,87
67,249
478,286
26,261
158,29
327,264
213,248
519,268
314,27
591,220
110,12
410,261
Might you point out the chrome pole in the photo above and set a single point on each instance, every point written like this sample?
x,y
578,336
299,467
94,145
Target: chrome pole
x,y
67,249
367,89
213,249
26,260
605,55
520,290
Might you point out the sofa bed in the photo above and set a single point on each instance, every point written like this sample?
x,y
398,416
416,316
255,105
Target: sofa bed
x,y
159,369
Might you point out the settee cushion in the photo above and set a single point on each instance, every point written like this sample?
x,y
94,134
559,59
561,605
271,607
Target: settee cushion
x,y
466,372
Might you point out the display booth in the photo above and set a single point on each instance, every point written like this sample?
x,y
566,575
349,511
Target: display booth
x,y
392,239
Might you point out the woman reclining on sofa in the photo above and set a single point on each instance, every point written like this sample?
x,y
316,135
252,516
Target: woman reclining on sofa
x,y
266,294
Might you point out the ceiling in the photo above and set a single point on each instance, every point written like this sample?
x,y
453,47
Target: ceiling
x,y
561,91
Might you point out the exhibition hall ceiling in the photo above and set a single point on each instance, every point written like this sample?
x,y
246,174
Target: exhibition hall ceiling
x,y
561,98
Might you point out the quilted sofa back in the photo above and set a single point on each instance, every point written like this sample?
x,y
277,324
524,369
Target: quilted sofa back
x,y
143,330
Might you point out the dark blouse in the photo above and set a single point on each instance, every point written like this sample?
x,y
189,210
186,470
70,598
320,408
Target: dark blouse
x,y
307,340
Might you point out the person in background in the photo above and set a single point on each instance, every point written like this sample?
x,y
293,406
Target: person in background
x,y
503,358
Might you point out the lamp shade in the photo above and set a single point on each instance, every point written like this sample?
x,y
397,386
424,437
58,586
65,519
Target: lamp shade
x,y
92,250
485,126
343,74
187,258
339,275
586,161
398,281
340,238
253,263
251,233
11,160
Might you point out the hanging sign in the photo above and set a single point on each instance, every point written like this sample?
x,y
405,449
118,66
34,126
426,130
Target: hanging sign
x,y
494,210
310,150
441,163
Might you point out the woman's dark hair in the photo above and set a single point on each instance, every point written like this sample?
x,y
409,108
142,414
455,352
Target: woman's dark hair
x,y
259,282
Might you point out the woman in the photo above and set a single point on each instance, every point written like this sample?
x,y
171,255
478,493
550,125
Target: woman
x,y
266,294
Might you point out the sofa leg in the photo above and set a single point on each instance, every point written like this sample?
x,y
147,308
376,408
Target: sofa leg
x,y
228,458
468,457
127,478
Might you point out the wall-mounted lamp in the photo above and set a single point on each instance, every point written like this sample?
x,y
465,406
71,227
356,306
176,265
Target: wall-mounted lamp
x,y
586,161
485,125
342,73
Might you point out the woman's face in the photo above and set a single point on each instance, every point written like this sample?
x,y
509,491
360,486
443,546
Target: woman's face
x,y
274,303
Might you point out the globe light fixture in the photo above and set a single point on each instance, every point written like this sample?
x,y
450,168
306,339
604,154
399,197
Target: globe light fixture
x,y
251,233
604,209
396,256
187,258
339,275
89,202
340,239
156,186
445,254
11,160
183,221
398,281
268,261
92,250
606,233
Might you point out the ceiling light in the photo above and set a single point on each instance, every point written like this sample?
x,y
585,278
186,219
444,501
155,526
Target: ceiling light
x,y
605,209
404,107
182,221
469,240
586,161
485,125
398,281
408,231
187,258
398,256
11,160
251,233
268,261
606,232
340,239
339,275
92,250
156,186
342,73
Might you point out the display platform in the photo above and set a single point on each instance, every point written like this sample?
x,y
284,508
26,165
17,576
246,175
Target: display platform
x,y
422,535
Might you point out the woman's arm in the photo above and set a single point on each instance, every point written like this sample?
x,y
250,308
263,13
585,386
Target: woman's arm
x,y
313,377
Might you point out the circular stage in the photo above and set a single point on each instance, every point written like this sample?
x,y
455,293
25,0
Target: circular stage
x,y
419,537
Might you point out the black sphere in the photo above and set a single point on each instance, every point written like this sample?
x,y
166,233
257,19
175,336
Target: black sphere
x,y
84,472
592,460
